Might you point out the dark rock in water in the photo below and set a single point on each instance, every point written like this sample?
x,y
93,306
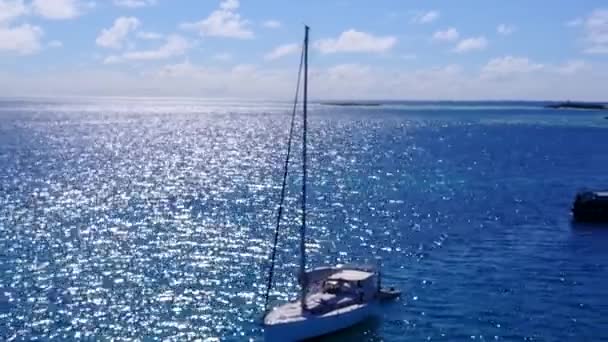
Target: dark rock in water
x,y
354,104
591,206
577,105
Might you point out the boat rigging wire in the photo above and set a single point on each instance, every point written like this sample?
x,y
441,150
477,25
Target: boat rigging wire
x,y
283,188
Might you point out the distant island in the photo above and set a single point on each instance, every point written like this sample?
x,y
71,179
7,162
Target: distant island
x,y
577,105
360,104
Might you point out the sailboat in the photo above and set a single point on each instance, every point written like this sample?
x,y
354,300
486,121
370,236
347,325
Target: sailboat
x,y
331,298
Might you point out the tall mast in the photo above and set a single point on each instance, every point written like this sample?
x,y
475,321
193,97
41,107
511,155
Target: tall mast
x,y
303,278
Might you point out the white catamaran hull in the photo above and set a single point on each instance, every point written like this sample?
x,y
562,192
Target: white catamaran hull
x,y
312,326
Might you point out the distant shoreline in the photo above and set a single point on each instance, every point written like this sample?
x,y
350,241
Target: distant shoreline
x,y
352,104
577,105
326,101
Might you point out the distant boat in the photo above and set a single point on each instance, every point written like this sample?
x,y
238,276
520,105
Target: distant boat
x,y
577,105
331,298
591,206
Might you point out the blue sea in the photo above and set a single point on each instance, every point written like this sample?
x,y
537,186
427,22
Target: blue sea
x,y
151,219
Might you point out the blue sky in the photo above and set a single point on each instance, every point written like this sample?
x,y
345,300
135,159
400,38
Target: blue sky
x,y
360,49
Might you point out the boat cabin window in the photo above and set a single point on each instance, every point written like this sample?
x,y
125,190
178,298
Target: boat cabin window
x,y
337,286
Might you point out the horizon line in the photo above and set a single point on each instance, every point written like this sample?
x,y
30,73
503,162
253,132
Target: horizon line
x,y
260,99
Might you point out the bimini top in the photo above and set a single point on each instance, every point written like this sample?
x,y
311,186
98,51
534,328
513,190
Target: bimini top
x,y
585,196
351,275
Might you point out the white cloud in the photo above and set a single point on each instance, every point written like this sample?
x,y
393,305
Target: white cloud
x,y
57,9
271,24
363,81
229,5
134,3
351,77
149,35
356,41
347,81
224,57
235,80
349,70
115,36
471,44
174,46
572,67
508,66
597,50
426,17
282,51
596,30
449,35
112,59
23,39
505,29
180,69
55,44
576,22
11,9
223,22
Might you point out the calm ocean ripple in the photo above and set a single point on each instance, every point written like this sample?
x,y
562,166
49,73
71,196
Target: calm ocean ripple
x,y
151,219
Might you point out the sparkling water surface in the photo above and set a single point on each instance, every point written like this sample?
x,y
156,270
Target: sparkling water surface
x,y
151,219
